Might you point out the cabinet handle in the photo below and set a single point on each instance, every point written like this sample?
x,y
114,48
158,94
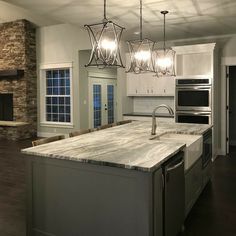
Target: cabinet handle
x,y
164,90
136,91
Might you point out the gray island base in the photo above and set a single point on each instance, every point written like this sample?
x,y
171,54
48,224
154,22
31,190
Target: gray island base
x,y
108,183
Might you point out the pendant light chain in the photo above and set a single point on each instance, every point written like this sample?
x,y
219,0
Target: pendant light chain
x,y
164,31
141,20
104,6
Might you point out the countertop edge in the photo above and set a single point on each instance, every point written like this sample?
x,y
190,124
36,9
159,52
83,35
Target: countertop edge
x,y
105,163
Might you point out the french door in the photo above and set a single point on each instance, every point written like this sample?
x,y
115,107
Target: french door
x,y
102,101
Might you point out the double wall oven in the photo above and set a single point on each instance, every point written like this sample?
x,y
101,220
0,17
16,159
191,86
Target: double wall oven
x,y
193,100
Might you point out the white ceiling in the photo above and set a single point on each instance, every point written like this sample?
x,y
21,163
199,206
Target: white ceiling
x,y
187,18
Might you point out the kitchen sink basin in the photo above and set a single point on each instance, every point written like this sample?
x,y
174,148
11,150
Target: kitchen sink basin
x,y
193,149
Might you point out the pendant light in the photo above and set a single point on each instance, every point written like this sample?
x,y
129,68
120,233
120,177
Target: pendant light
x,y
164,58
141,51
105,40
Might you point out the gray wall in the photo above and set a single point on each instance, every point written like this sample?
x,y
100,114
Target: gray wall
x,y
83,94
67,43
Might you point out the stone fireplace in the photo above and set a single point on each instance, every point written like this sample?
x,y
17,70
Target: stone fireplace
x,y
18,91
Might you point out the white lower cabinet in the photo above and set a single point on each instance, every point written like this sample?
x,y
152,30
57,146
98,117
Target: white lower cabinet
x,y
196,179
193,185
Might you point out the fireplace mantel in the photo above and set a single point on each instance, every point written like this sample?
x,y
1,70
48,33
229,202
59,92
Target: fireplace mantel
x,y
12,123
16,74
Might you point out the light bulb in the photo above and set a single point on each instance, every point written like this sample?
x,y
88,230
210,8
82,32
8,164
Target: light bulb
x,y
108,44
164,62
142,55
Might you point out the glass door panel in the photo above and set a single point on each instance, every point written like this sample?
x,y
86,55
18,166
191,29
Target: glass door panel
x,y
97,105
102,108
110,104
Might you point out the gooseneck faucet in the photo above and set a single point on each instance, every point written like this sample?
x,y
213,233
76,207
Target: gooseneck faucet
x,y
154,122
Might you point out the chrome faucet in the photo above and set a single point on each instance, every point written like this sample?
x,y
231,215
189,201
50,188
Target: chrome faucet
x,y
154,122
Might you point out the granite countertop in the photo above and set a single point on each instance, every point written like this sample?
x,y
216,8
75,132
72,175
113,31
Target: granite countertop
x,y
146,114
126,146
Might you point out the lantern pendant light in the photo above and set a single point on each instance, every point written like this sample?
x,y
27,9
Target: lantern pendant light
x,y
105,40
141,52
164,58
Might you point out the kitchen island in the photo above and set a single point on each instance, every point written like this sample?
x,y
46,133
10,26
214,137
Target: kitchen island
x,y
107,182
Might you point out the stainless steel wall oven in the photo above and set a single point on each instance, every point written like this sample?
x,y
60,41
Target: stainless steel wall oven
x,y
198,117
193,101
193,94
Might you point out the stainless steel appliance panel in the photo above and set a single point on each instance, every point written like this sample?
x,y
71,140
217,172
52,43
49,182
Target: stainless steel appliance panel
x,y
193,117
197,98
174,195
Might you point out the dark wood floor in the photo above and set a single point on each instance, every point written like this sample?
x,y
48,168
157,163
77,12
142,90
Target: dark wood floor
x,y
12,188
213,214
215,211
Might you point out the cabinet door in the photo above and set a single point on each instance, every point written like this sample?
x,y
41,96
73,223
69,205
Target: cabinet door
x,y
158,203
165,86
147,84
133,84
169,87
193,185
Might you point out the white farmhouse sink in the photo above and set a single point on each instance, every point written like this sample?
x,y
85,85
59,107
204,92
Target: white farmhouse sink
x,y
193,148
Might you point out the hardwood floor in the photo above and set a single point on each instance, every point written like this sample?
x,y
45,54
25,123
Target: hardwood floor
x,y
213,214
215,211
12,188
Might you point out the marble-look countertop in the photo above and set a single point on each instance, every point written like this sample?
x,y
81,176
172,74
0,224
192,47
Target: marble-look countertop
x,y
146,114
125,146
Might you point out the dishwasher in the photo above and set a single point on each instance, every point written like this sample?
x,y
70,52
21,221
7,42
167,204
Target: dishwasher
x,y
173,195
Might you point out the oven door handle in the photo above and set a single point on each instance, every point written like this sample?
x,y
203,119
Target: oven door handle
x,y
194,113
205,88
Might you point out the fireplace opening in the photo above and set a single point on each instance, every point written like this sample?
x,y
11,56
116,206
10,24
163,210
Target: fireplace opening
x,y
6,107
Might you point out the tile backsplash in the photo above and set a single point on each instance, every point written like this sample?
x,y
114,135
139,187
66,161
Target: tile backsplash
x,y
147,104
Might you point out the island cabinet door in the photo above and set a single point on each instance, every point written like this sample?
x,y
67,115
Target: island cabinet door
x,y
158,187
68,198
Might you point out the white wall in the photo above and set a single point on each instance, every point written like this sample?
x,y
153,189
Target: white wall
x,y
147,104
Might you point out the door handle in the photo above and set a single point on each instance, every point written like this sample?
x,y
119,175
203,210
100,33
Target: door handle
x,y
175,166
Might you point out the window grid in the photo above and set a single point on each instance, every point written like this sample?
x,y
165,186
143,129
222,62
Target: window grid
x,y
58,104
110,103
97,103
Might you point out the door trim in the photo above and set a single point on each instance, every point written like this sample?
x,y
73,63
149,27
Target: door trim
x,y
225,62
91,77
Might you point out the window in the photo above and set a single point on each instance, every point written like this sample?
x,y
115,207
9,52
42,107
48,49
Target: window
x,y
57,95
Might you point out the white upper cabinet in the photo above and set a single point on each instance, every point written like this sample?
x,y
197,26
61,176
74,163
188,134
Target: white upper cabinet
x,y
147,84
191,61
195,60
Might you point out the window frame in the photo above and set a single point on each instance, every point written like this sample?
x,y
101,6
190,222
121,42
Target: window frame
x,y
42,94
